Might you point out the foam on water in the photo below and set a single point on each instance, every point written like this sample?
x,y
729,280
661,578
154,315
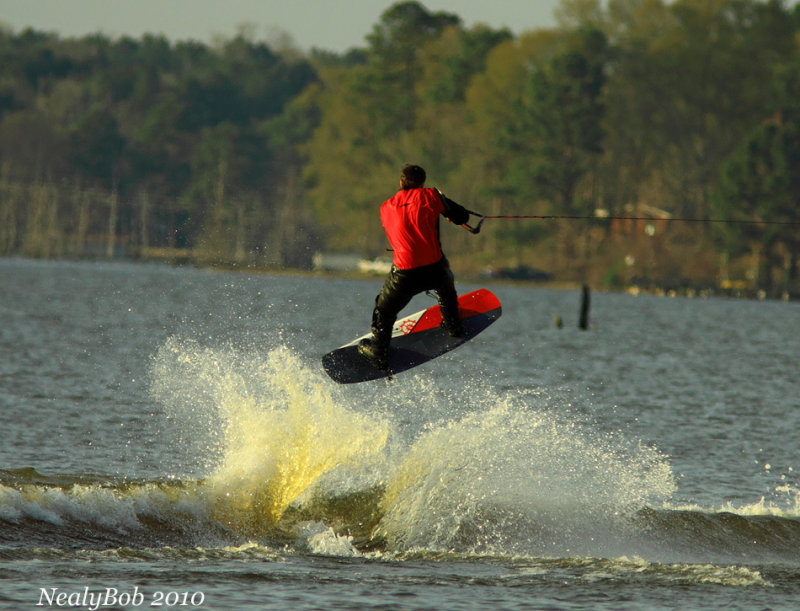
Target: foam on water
x,y
509,476
782,502
519,479
95,515
318,538
599,570
279,429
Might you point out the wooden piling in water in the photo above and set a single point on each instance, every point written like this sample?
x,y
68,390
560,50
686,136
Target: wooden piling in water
x,y
583,321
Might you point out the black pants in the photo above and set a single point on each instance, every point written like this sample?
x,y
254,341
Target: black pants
x,y
402,284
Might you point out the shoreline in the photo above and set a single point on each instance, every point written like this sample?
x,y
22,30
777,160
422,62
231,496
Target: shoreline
x,y
464,277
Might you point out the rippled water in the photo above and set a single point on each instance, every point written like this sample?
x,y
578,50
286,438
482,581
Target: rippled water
x,y
169,434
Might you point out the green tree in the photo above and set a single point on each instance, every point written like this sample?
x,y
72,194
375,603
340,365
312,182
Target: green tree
x,y
761,182
368,114
564,119
388,80
96,146
688,80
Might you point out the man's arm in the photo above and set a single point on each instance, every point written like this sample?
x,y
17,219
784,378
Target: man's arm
x,y
455,213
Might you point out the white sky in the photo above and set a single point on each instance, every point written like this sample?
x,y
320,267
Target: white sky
x,y
336,25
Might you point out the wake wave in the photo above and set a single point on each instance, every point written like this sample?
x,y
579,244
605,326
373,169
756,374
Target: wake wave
x,y
182,516
288,460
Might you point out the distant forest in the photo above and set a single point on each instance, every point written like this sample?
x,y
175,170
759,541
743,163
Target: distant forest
x,y
250,154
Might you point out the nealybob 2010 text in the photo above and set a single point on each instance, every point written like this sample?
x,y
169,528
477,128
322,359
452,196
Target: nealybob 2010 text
x,y
94,599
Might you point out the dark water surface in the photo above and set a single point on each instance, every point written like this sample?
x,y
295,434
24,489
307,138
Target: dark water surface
x,y
169,439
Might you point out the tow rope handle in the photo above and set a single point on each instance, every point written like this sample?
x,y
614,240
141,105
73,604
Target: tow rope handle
x,y
477,229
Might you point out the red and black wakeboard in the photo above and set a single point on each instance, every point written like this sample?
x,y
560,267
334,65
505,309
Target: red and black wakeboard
x,y
416,339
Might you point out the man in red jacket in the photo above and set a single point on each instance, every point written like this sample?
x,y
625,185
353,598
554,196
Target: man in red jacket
x,y
411,221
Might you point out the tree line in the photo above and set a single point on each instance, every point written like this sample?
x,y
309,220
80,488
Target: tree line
x,y
247,153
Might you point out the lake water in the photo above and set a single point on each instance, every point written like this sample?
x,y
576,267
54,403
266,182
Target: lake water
x,y
169,439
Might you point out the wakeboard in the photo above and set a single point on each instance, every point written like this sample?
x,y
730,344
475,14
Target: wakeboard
x,y
416,339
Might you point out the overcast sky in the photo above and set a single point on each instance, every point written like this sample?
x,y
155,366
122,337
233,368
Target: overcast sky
x,y
336,25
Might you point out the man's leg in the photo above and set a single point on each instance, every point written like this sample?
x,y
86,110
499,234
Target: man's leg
x,y
448,301
393,297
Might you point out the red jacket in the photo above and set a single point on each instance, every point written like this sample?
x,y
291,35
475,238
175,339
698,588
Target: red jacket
x,y
411,221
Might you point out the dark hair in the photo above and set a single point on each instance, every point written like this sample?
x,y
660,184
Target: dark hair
x,y
412,177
